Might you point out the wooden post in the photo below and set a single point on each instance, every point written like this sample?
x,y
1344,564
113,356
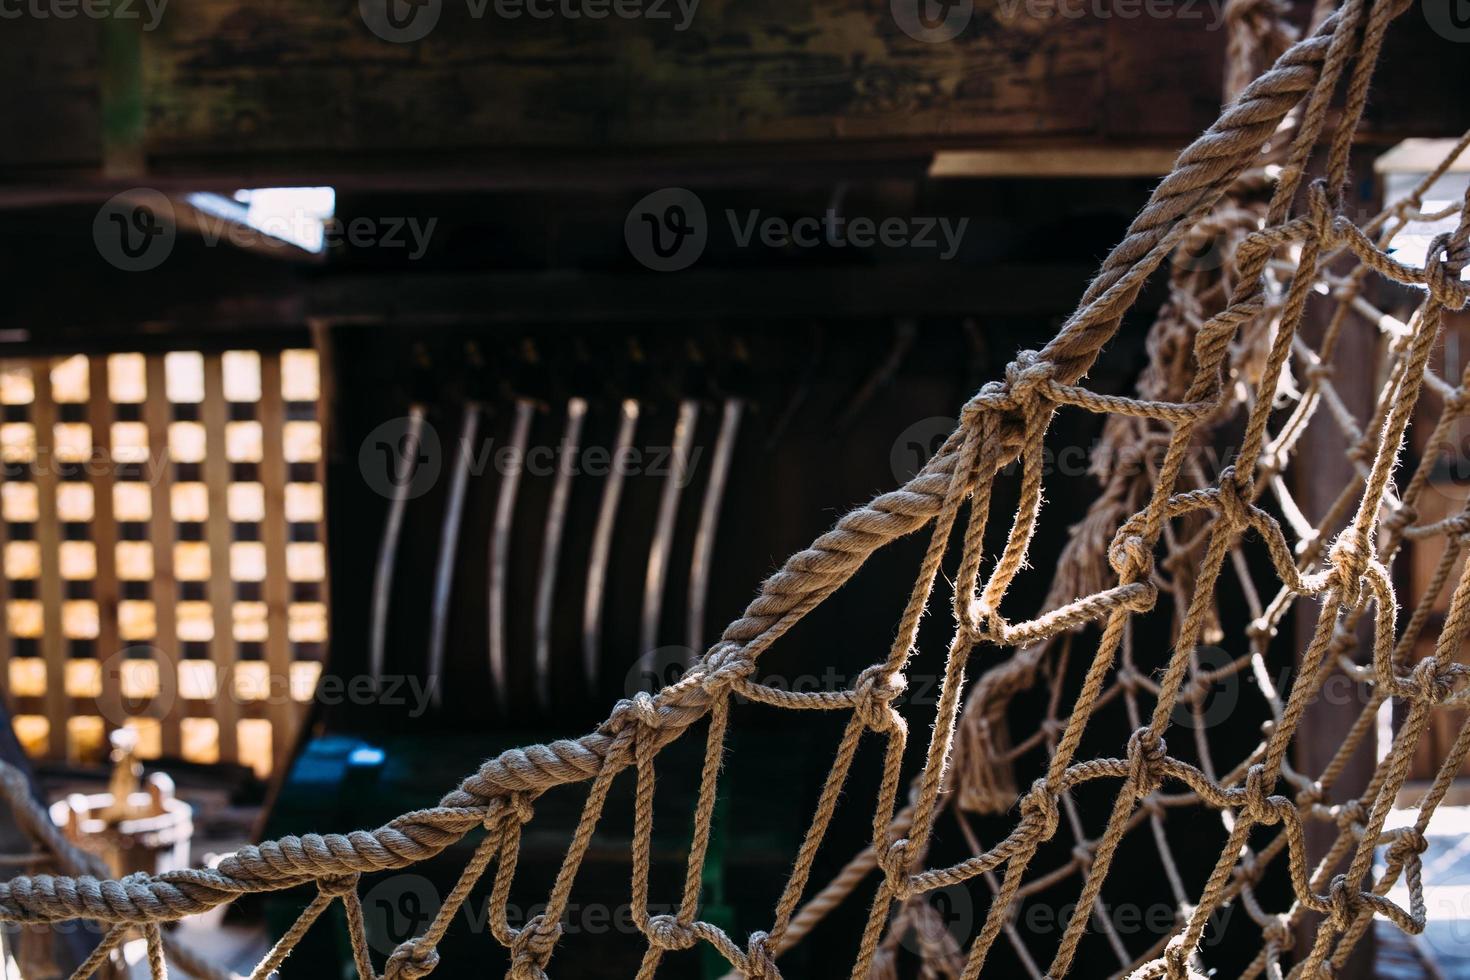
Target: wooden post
x,y
280,708
105,589
215,414
48,542
157,414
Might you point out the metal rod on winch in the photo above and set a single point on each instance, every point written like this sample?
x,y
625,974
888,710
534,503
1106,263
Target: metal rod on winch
x,y
607,514
663,534
407,457
469,428
556,516
505,506
709,519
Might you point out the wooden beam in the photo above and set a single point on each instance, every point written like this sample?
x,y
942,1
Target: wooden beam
x,y
277,585
48,541
214,413
1079,161
157,415
105,588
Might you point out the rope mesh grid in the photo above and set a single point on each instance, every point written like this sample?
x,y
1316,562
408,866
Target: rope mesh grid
x,y
1225,347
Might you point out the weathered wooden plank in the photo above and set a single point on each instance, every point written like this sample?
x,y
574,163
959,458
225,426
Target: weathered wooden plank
x,y
48,541
216,88
105,588
157,413
807,70
218,532
7,642
277,586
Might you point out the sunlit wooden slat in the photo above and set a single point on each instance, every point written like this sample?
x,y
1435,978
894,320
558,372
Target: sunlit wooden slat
x,y
162,610
105,589
274,538
48,538
216,467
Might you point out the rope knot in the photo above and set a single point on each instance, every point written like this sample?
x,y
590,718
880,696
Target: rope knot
x,y
1039,810
724,665
873,695
1278,933
1130,557
1321,213
1176,962
1433,683
1343,902
1233,499
335,886
1443,264
1259,805
530,949
760,959
667,932
1351,814
1349,556
1146,753
644,711
1409,843
894,860
1025,375
1082,854
410,960
520,803
992,394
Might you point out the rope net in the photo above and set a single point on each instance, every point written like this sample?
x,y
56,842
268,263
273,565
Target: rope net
x,y
1228,352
